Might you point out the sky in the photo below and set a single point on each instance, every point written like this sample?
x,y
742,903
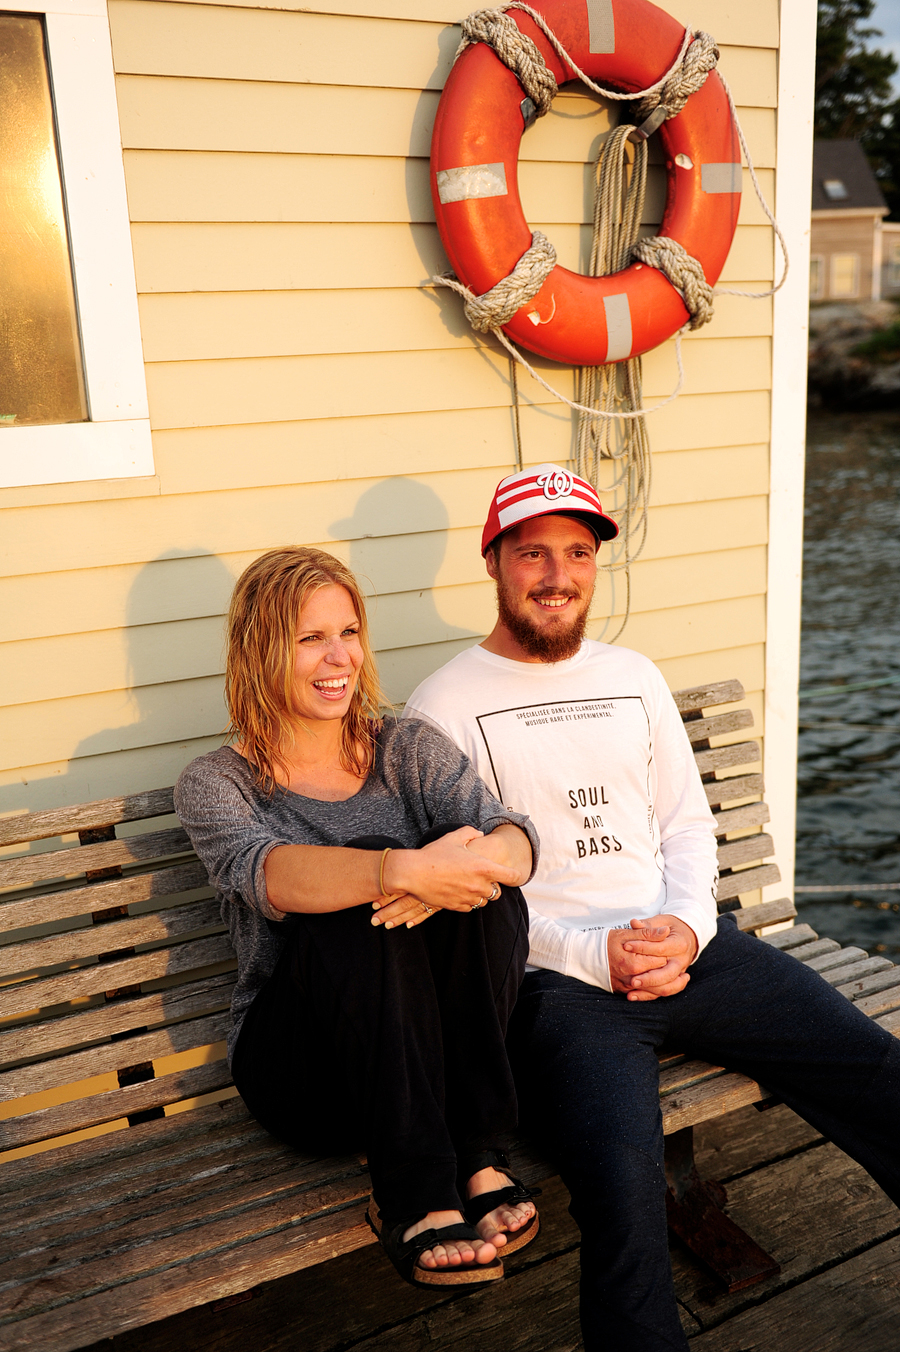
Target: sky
x,y
886,16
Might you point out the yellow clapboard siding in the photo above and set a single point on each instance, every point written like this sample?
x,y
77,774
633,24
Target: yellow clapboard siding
x,y
196,394
102,724
228,43
219,42
199,586
746,662
176,113
755,26
112,659
281,256
197,326
30,788
708,526
85,535
695,475
664,634
177,185
257,454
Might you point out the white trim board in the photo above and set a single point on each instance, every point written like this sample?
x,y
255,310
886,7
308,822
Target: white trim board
x,y
794,144
115,443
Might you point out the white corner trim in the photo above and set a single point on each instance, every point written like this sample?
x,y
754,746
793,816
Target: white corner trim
x,y
788,438
115,443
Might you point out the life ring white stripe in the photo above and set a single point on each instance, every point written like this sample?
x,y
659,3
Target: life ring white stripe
x,y
618,327
471,180
720,177
601,27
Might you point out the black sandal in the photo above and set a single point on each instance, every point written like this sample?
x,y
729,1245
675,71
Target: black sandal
x,y
404,1253
478,1207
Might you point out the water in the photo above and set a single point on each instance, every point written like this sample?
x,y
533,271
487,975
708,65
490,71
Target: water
x,y
848,823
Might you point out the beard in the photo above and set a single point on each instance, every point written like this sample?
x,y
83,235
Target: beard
x,y
551,643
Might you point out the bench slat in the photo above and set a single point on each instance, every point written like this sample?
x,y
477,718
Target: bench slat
x,y
110,937
746,850
105,812
57,990
99,896
701,729
871,985
75,859
724,757
737,818
113,1104
699,697
118,1016
790,938
838,975
728,790
209,1277
111,1056
765,913
747,880
700,1102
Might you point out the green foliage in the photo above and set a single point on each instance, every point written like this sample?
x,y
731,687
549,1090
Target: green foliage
x,y
853,84
882,346
854,97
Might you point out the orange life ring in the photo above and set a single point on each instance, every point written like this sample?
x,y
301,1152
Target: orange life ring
x,y
584,321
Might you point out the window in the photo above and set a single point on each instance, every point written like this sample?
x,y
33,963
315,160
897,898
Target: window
x,y
834,190
894,267
844,275
816,277
73,400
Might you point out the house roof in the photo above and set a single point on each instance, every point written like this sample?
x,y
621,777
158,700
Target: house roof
x,y
843,178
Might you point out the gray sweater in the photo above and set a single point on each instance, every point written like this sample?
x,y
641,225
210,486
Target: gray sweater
x,y
419,780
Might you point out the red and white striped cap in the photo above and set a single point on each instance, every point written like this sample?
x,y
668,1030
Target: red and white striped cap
x,y
539,491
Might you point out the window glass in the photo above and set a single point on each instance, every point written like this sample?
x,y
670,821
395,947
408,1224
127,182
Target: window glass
x,y
41,379
835,189
815,276
844,271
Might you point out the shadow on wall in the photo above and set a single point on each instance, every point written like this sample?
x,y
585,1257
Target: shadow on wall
x,y
170,706
398,536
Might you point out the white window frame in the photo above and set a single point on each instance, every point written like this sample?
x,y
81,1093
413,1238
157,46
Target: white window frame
x,y
819,292
115,442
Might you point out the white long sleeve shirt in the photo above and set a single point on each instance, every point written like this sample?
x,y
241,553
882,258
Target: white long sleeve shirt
x,y
593,749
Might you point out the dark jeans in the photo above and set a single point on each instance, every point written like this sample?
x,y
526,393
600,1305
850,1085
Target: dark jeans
x,y
588,1080
390,1041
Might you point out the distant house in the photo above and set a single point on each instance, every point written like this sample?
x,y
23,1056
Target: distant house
x,y
846,248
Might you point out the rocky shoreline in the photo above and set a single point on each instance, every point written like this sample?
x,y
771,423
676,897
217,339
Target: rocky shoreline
x,y
854,355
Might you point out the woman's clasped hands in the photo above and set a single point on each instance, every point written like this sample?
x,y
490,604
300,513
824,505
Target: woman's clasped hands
x,y
454,873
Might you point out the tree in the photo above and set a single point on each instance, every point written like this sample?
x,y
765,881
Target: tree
x,y
853,83
854,96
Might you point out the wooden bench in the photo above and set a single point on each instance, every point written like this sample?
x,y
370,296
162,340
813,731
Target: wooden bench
x,y
116,978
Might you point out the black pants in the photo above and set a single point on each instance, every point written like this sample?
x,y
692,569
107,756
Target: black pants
x,y
390,1041
589,1082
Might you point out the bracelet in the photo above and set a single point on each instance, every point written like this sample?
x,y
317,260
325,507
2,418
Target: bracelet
x,y
384,856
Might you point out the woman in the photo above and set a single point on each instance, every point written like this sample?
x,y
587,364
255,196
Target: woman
x,y
370,882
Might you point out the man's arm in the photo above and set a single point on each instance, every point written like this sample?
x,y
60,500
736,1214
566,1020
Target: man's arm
x,y
651,959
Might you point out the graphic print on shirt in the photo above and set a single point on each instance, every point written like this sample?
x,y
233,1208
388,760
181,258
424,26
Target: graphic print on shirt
x,y
580,764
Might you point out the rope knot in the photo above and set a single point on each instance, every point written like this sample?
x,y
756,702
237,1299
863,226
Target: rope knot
x,y
684,272
497,306
699,59
516,50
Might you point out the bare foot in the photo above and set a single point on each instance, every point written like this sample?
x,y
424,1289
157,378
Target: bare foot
x,y
452,1252
509,1217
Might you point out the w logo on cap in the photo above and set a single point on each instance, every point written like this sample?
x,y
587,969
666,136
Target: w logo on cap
x,y
558,484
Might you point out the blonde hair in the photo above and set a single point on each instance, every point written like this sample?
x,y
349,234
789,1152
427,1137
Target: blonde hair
x,y
262,628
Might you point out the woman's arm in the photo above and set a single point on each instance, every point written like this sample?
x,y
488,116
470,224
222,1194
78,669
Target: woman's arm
x,y
443,874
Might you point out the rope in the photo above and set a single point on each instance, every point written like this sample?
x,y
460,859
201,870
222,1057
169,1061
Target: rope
x,y
683,271
516,50
484,15
617,388
699,59
497,306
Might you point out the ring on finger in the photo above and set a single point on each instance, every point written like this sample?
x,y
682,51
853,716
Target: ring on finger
x,y
429,910
495,892
477,904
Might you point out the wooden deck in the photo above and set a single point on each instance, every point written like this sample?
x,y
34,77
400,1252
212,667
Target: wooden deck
x,y
835,1234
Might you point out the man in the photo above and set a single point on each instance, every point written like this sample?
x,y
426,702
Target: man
x,y
626,951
